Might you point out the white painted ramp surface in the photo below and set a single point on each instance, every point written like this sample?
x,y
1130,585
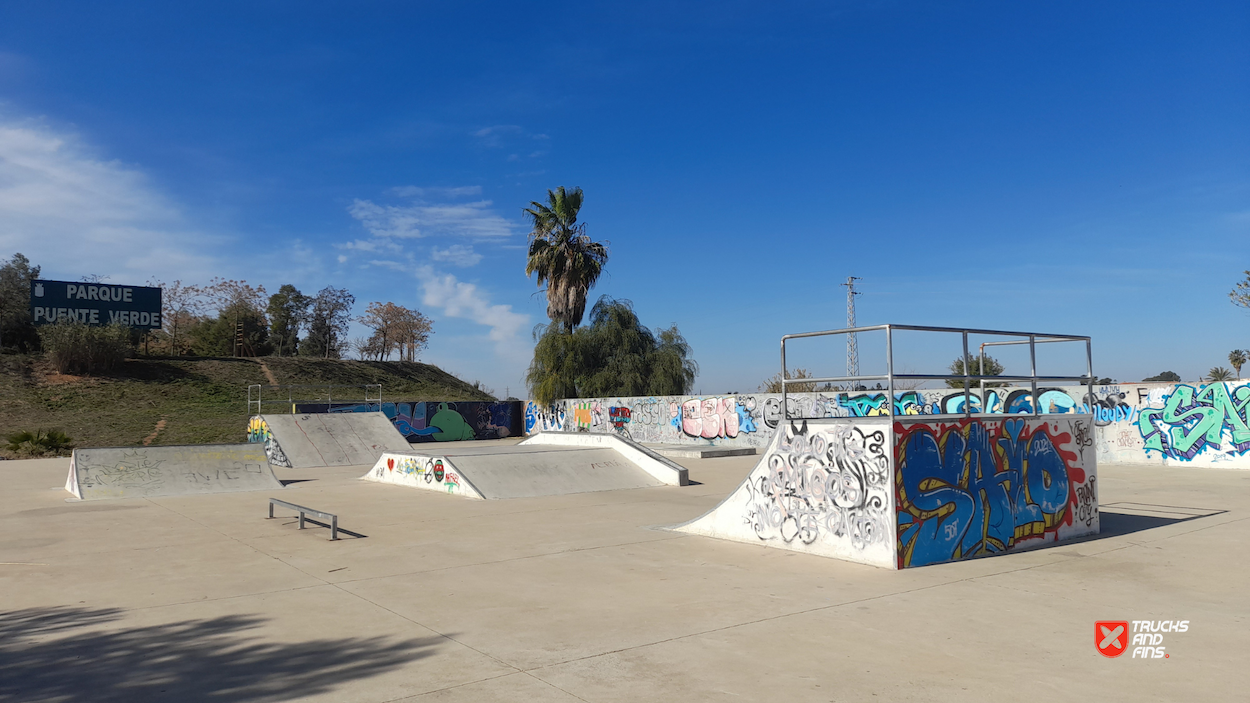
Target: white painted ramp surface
x,y
822,487
333,439
518,471
140,472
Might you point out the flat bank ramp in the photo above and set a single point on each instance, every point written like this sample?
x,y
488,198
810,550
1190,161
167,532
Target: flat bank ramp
x,y
333,439
144,472
518,471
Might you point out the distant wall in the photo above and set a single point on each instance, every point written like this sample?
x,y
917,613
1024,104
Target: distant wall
x,y
1157,423
438,421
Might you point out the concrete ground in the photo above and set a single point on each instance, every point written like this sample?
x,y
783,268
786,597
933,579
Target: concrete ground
x,y
582,598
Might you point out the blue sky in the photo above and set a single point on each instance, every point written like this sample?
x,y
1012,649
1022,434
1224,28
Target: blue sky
x,y
1057,166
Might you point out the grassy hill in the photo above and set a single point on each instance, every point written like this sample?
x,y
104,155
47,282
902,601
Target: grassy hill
x,y
191,401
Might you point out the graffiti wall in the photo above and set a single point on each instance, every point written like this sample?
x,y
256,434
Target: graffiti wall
x,y
438,421
1173,424
822,487
258,431
978,487
433,473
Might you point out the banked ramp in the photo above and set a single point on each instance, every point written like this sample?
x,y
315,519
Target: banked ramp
x,y
144,472
315,440
529,469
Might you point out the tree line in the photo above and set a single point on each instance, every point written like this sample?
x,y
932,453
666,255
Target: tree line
x,y
234,318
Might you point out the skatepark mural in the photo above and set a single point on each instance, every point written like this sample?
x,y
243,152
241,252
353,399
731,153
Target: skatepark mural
x,y
1159,423
438,421
979,487
258,431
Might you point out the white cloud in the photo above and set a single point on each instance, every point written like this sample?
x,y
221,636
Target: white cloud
x,y
75,213
464,300
476,220
372,245
436,193
456,255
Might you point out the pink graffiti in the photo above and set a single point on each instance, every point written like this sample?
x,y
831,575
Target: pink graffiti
x,y
710,417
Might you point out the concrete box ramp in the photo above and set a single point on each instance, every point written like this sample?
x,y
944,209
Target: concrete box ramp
x,y
517,471
916,491
329,439
142,472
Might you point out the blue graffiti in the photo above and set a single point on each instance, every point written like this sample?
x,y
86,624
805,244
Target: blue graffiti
x,y
966,493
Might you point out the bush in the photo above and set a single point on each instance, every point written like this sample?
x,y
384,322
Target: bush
x,y
39,443
73,347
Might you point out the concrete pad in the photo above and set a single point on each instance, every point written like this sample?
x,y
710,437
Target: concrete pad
x,y
579,597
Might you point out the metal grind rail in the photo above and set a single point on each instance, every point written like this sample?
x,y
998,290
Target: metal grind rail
x,y
334,519
1030,338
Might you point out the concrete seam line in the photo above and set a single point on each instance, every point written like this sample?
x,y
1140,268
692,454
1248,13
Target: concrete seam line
x,y
417,622
504,561
787,615
1196,529
449,688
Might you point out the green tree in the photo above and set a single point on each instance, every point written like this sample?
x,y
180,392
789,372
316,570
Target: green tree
x,y
613,355
16,328
238,305
287,309
1168,376
1237,358
562,256
1219,373
329,317
973,363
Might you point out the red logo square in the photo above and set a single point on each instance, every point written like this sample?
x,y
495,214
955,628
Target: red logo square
x,y
1111,637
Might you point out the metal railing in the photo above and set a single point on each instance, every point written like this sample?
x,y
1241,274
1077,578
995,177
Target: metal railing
x,y
297,393
1030,338
334,519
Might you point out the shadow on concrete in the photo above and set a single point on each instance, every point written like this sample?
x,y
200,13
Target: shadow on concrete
x,y
1124,518
74,654
288,481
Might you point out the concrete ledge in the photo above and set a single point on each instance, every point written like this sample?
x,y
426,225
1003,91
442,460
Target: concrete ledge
x,y
685,451
646,459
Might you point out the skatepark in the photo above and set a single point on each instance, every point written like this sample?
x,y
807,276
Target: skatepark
x,y
852,558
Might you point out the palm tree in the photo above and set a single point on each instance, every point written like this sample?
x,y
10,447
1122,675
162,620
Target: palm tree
x,y
563,256
1237,358
1219,373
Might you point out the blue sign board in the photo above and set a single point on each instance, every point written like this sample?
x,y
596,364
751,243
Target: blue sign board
x,y
95,304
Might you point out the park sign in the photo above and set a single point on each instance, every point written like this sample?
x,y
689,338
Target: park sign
x,y
95,304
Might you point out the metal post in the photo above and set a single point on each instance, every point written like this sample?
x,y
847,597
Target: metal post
x,y
967,381
1089,370
985,408
1033,371
889,367
784,412
271,511
301,519
334,527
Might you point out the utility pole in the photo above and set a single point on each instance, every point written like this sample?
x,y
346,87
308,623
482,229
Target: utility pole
x,y
852,349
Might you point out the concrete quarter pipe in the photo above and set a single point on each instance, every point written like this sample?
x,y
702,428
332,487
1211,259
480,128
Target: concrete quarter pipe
x,y
915,491
325,439
140,472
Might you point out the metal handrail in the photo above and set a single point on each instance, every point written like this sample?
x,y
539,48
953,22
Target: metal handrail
x,y
1032,339
291,400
